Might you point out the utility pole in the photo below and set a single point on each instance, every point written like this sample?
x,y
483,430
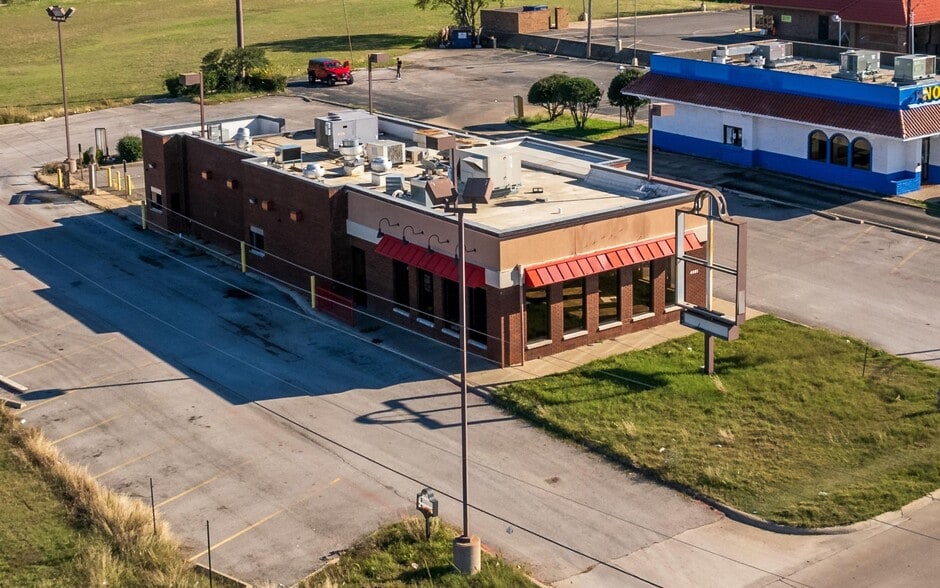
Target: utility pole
x,y
239,26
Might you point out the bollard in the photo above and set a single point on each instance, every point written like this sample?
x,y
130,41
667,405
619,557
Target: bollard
x,y
143,214
244,258
58,172
110,179
119,181
313,292
130,186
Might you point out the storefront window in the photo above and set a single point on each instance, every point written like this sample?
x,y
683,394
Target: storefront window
x,y
818,141
450,292
733,136
538,324
426,295
608,290
573,303
861,154
400,283
671,282
476,314
643,289
840,150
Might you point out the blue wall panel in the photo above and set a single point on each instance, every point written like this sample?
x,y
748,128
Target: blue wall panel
x,y
841,175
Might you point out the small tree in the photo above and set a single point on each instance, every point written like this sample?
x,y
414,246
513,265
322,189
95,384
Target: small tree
x,y
465,11
547,94
226,71
581,97
130,148
626,101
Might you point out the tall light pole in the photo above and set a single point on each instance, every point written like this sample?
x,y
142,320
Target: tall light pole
x,y
443,192
619,42
635,62
239,26
59,16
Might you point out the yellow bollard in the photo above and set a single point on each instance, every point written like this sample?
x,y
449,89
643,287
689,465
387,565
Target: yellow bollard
x,y
143,214
313,292
58,172
110,179
244,258
119,180
130,186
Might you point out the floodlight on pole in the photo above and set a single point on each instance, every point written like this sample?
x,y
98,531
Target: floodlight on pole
x,y
59,16
191,79
838,20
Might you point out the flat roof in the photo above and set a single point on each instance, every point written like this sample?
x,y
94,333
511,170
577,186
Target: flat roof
x,y
557,183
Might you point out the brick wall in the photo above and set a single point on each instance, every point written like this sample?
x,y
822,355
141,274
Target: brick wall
x,y
516,21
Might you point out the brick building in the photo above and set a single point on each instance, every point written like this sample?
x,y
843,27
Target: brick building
x,y
883,25
524,20
572,248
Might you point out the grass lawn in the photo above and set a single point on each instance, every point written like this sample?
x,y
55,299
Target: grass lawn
x,y
596,130
58,527
118,51
398,555
800,426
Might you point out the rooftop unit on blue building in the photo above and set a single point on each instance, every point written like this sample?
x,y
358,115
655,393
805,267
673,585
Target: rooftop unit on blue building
x,y
865,120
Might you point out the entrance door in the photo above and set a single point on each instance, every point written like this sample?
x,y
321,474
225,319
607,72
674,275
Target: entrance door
x,y
823,28
925,160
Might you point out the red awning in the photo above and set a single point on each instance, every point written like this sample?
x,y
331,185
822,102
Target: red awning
x,y
437,264
594,263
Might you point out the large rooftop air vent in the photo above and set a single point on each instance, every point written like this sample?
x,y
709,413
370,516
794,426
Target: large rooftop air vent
x,y
910,69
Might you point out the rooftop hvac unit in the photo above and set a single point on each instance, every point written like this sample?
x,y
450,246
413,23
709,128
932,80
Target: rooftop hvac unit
x,y
335,127
910,69
496,164
772,52
393,151
853,65
287,154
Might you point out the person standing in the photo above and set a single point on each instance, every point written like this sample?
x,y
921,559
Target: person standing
x,y
398,68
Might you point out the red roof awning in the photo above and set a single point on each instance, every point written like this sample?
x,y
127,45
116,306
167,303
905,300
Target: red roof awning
x,y
437,264
594,263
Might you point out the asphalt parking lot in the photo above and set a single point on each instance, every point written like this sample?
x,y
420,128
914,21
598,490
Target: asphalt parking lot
x,y
292,440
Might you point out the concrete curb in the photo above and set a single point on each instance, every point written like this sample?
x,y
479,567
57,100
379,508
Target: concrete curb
x,y
204,570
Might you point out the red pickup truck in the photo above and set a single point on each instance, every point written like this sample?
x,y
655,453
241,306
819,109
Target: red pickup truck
x,y
326,69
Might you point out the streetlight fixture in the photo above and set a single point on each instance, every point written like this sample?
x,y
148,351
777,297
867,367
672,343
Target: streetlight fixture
x,y
374,58
443,193
59,16
838,20
191,79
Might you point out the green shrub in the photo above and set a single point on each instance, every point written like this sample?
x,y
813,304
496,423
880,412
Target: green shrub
x,y
266,79
130,148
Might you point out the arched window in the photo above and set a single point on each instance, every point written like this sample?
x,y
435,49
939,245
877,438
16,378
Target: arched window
x,y
839,150
818,142
861,154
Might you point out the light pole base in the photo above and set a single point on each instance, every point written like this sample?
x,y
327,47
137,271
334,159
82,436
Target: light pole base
x,y
72,166
467,555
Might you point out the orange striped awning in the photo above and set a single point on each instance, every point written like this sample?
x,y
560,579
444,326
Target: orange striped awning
x,y
436,263
595,263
